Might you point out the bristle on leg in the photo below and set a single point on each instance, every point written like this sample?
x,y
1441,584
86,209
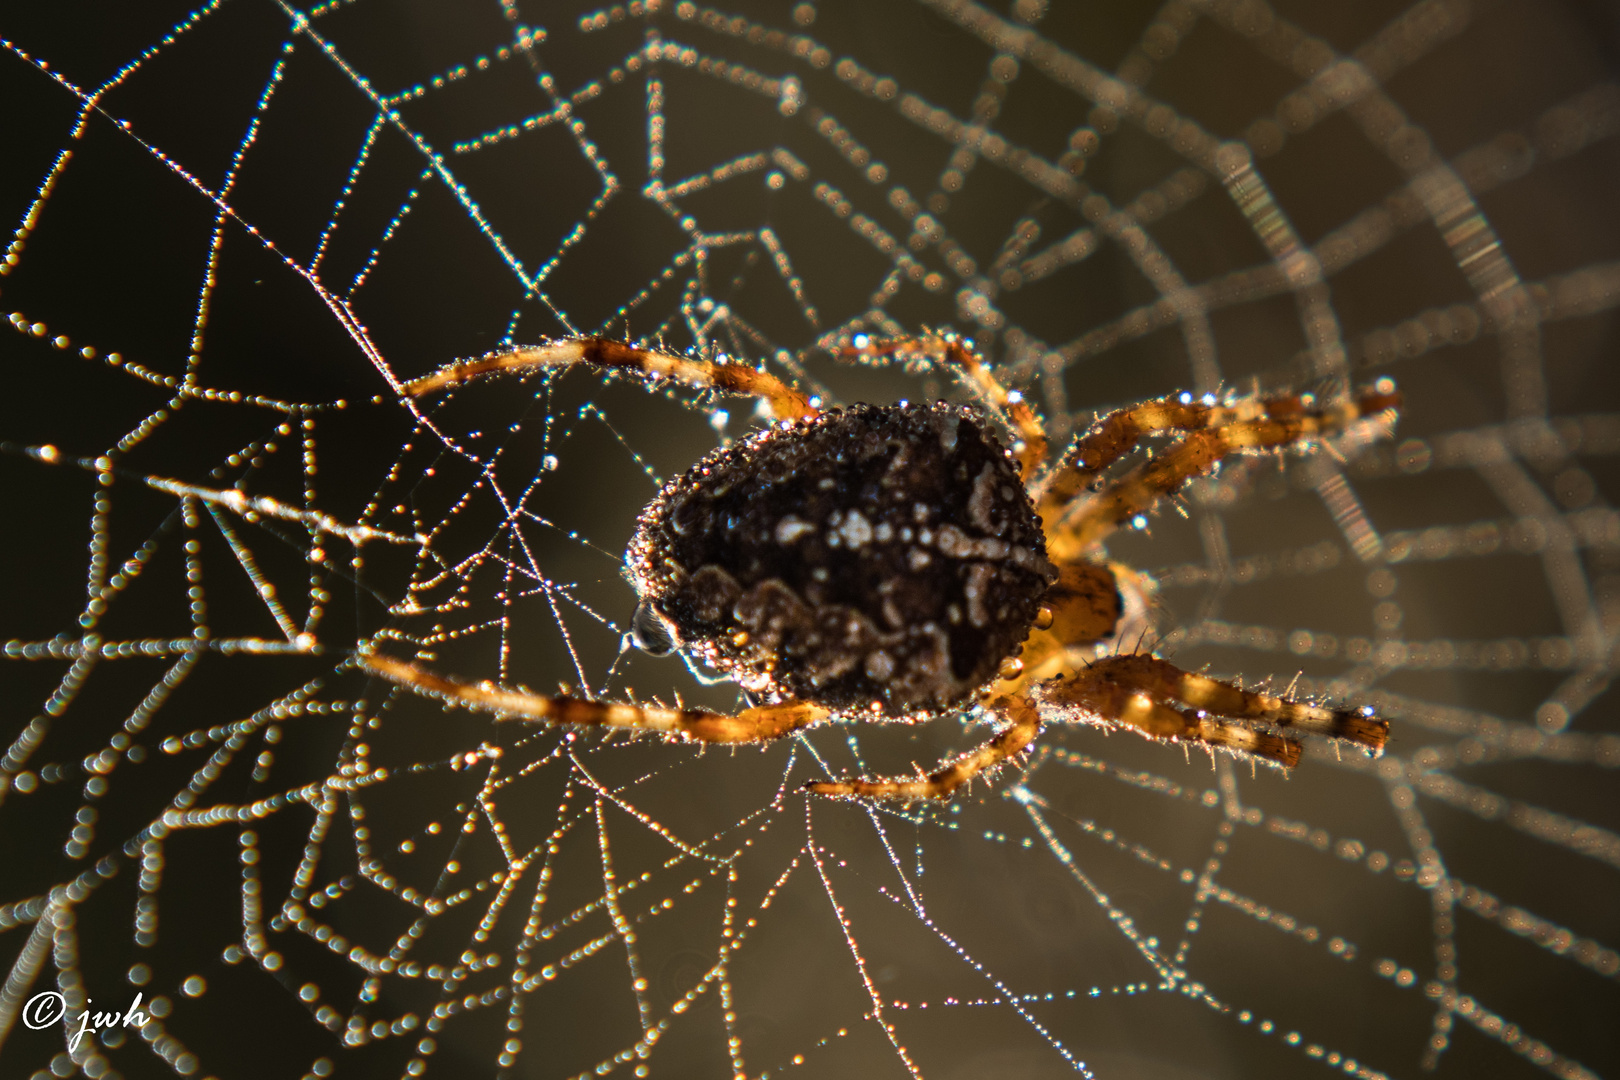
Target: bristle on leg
x,y
1159,700
1024,724
1096,696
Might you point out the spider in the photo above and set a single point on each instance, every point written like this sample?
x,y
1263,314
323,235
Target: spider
x,y
899,563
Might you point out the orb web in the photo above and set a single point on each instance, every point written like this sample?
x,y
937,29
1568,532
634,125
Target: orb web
x,y
242,227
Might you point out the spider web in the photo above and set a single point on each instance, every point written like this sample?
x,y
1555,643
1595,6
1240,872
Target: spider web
x,y
242,226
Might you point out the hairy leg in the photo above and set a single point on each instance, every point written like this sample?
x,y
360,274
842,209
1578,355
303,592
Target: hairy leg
x,y
1159,700
1116,434
1025,724
759,724
785,402
950,349
1083,607
1139,491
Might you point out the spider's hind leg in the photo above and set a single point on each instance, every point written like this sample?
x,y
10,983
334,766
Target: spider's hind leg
x,y
1159,700
785,402
761,723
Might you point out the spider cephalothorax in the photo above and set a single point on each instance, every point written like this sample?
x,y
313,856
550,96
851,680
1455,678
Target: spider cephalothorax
x,y
899,562
881,557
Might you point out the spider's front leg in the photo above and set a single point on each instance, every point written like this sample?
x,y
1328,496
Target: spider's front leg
x,y
1156,699
1116,434
784,401
1024,725
1213,433
762,723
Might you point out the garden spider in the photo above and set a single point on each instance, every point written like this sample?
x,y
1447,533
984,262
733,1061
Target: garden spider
x,y
898,563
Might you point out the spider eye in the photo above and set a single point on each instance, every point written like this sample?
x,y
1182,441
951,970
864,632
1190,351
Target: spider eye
x,y
650,633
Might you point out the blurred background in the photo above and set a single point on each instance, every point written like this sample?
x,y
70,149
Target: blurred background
x,y
239,227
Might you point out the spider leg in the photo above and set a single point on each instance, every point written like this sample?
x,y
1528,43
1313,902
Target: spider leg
x,y
948,348
759,724
1116,434
1139,490
1083,607
785,402
1015,737
1146,693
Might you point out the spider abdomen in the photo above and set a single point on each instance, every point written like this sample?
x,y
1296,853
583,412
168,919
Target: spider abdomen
x,y
880,555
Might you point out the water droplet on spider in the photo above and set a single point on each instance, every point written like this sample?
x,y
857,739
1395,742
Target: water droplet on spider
x,y
718,419
650,632
550,462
